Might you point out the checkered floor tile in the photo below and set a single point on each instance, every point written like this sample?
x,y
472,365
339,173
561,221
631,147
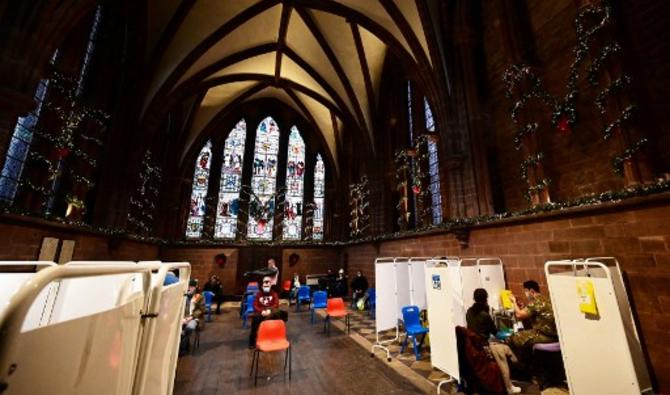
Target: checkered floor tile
x,y
364,325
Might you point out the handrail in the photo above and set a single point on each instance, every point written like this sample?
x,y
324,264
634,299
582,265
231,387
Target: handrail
x,y
27,263
13,316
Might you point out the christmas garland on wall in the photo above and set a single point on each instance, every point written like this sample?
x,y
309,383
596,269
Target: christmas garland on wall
x,y
142,205
593,200
308,212
590,22
410,174
359,201
421,166
402,170
61,142
516,78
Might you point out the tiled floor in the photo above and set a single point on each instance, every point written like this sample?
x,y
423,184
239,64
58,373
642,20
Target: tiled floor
x,y
364,325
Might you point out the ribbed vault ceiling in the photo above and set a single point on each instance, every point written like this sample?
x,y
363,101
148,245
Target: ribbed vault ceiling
x,y
324,58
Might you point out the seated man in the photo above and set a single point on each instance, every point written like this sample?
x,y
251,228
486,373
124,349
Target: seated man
x,y
358,287
266,307
479,321
538,316
193,320
214,286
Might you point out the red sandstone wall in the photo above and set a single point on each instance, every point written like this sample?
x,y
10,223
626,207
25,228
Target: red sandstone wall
x,y
312,261
639,238
203,265
22,241
579,162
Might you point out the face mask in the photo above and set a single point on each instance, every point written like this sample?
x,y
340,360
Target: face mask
x,y
266,289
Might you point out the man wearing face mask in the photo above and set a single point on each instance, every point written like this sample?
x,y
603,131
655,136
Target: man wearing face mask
x,y
266,307
538,316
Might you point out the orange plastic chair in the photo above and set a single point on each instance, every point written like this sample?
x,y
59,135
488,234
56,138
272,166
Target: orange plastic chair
x,y
271,337
336,308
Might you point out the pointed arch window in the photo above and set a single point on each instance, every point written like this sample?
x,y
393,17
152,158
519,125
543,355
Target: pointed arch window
x,y
433,166
319,196
295,185
428,115
264,177
196,214
231,183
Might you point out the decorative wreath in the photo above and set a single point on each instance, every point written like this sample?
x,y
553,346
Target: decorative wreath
x,y
293,259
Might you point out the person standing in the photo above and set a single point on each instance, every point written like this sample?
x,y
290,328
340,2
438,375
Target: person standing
x,y
272,266
266,307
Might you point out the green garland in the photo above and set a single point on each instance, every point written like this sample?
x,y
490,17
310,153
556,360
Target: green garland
x,y
524,131
593,200
532,160
401,174
142,204
618,161
626,115
513,78
537,188
308,213
616,86
359,194
71,113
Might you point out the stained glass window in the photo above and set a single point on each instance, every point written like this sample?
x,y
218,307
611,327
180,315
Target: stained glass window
x,y
434,172
410,121
199,192
295,181
231,183
90,48
264,180
19,146
319,194
428,115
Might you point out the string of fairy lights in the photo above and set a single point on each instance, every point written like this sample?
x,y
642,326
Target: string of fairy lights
x,y
591,23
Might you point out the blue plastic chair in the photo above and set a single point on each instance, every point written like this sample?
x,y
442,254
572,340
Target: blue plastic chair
x,y
252,288
303,295
372,302
209,297
248,310
319,301
413,328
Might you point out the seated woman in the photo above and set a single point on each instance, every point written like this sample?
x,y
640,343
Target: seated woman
x,y
295,284
479,321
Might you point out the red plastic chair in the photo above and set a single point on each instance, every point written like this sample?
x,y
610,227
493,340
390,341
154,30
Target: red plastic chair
x,y
271,338
287,285
336,308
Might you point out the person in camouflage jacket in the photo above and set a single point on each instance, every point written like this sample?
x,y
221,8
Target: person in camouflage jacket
x,y
538,318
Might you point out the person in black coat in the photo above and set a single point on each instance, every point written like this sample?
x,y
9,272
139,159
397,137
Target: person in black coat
x,y
358,287
215,286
